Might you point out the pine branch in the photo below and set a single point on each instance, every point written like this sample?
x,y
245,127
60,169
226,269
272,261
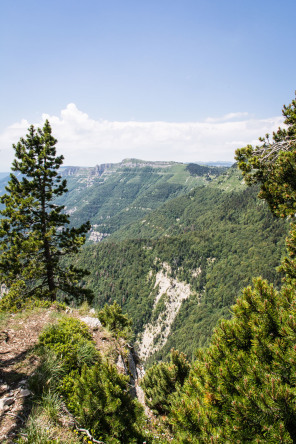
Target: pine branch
x,y
271,152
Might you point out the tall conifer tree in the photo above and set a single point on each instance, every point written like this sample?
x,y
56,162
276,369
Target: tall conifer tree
x,y
33,229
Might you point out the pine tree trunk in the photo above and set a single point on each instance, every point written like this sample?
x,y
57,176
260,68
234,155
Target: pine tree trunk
x,y
47,253
49,271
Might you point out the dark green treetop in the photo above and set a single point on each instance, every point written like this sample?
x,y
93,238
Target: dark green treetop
x,y
33,231
242,388
273,165
112,318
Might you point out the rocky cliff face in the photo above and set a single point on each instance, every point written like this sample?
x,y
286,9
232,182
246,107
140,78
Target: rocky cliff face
x,y
170,295
99,170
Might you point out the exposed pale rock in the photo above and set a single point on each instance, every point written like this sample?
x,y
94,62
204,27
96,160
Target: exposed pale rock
x,y
93,323
196,272
5,402
24,392
120,364
175,293
96,236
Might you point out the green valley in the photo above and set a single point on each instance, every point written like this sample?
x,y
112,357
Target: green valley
x,y
162,230
213,239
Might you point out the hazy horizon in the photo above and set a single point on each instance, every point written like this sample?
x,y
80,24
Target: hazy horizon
x,y
165,80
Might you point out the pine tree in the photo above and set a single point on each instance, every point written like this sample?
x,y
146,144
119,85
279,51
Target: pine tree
x,y
112,318
33,229
272,165
243,387
100,400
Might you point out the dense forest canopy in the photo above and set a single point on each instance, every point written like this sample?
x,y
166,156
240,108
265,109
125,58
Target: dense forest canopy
x,y
229,237
242,387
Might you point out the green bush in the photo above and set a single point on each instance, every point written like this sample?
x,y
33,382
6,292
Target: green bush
x,y
71,341
163,379
243,387
64,331
93,390
115,321
100,400
14,301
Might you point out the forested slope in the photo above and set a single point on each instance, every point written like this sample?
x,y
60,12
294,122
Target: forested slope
x,y
212,239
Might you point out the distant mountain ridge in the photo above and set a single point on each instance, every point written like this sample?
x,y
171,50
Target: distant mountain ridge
x,y
217,163
99,169
114,195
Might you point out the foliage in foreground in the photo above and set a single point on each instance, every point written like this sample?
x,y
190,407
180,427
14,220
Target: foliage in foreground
x,y
100,400
112,318
273,166
14,301
92,389
243,387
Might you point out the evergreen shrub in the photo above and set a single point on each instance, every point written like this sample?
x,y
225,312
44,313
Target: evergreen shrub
x,y
93,390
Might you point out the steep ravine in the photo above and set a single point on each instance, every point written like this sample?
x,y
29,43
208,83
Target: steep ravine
x,y
170,295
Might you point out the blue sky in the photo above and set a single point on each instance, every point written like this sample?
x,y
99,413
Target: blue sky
x,y
183,80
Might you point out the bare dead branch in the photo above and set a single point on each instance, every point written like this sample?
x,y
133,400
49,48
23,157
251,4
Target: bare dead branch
x,y
90,436
270,152
78,428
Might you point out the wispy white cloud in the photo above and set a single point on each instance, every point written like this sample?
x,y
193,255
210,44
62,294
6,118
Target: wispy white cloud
x,y
228,117
85,141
